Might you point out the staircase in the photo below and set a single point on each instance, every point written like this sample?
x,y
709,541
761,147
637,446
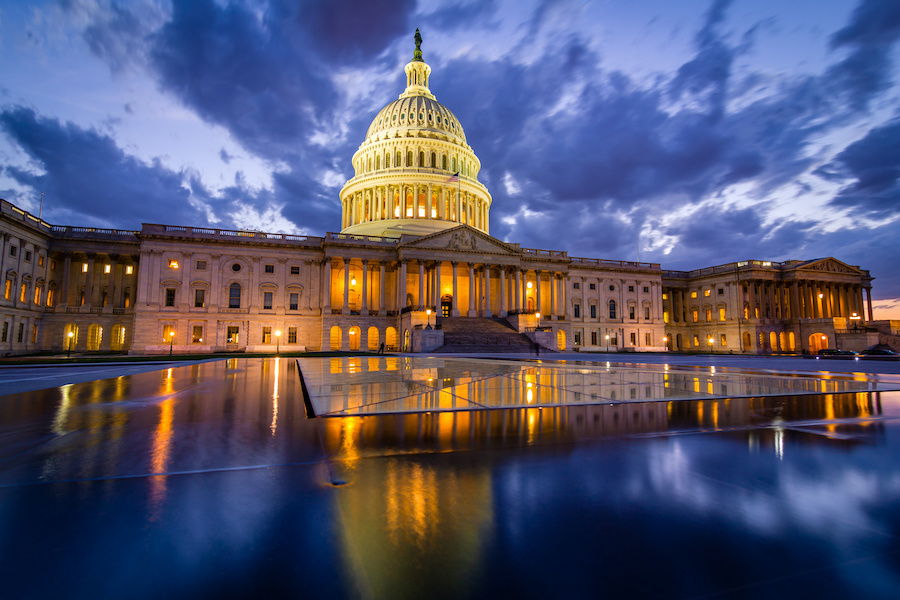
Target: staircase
x,y
467,334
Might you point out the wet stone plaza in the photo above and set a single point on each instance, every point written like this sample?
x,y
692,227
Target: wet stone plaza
x,y
425,477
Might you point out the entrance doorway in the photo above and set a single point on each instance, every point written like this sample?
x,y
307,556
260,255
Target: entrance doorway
x,y
446,305
817,341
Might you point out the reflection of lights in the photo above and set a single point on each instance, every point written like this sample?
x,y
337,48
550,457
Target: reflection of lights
x,y
275,397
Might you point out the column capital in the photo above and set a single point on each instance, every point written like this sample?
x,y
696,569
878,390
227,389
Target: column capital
x,y
346,260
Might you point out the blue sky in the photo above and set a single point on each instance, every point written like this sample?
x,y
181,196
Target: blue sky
x,y
694,132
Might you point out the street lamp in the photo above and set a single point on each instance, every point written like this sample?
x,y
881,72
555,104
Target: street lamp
x,y
277,340
607,343
171,341
428,318
709,341
69,351
855,318
666,341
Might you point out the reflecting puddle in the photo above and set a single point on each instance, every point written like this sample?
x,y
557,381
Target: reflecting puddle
x,y
341,386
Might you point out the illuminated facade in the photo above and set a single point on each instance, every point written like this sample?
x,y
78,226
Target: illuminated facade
x,y
414,247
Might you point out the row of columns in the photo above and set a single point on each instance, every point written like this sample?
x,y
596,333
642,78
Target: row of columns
x,y
116,283
390,202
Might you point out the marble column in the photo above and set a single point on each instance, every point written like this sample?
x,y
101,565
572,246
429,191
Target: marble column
x,y
345,309
472,290
382,311
364,307
487,291
454,310
538,275
420,301
503,297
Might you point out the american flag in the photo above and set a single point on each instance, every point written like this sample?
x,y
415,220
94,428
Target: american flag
x,y
454,177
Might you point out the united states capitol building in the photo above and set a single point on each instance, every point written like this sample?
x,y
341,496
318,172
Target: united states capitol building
x,y
413,262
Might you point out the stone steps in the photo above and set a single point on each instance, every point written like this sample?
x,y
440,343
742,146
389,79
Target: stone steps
x,y
464,334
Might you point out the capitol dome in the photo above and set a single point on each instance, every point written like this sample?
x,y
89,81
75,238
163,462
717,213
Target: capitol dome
x,y
414,173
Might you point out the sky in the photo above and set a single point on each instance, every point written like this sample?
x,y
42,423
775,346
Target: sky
x,y
690,133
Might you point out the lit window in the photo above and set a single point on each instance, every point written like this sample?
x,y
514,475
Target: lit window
x,y
173,264
695,315
197,334
723,340
665,316
23,293
665,296
708,315
721,313
168,334
707,292
693,294
84,267
106,269
129,270
37,295
696,340
633,339
232,335
266,335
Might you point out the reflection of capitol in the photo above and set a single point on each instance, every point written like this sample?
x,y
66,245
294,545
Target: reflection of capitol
x,y
371,385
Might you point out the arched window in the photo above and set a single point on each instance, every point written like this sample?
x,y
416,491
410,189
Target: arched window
x,y
433,159
409,158
421,158
387,160
453,164
612,309
377,162
399,158
444,162
234,295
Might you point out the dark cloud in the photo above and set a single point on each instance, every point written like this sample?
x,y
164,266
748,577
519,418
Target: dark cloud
x,y
456,15
874,164
873,30
88,178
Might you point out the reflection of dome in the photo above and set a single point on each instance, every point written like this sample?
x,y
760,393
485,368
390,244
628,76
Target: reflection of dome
x,y
406,169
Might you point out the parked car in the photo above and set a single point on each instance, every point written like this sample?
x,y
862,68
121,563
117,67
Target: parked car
x,y
878,352
835,352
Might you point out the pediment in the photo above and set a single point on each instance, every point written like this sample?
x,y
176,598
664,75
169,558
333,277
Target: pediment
x,y
829,265
463,239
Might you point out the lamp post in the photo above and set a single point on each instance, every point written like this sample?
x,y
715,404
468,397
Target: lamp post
x,y
709,342
69,351
855,318
428,318
666,342
607,343
171,341
277,340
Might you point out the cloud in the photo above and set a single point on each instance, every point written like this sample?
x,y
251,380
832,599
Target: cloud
x,y
873,29
874,163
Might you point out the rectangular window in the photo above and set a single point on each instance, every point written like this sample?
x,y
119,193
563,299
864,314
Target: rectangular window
x,y
630,288
693,294
267,335
614,340
173,264
723,340
5,334
107,269
633,339
197,334
721,291
593,338
50,297
8,291
707,293
23,292
292,335
295,270
721,314
34,334
593,286
577,311
646,289
631,312
294,301
52,265
40,260
126,299
708,315
646,313
168,334
696,340
234,296
37,295
199,298
129,269
647,339
593,311
84,267
28,256
665,316
267,300
170,296
695,315
577,338
665,296
269,268
201,265
12,250
576,285
232,335
21,336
